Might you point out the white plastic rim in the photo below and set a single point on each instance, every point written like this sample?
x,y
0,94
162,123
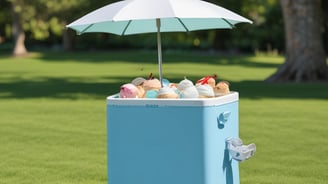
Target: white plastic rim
x,y
182,102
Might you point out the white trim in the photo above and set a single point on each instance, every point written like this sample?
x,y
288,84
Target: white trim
x,y
115,100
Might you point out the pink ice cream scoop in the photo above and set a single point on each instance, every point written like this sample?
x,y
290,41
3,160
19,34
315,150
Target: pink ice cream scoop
x,y
129,91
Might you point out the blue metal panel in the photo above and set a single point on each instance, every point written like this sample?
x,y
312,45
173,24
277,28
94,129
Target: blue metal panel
x,y
154,144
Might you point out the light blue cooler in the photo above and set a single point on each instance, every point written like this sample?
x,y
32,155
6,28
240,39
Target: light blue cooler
x,y
172,141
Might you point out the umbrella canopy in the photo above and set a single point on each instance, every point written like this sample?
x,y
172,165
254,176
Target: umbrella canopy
x,y
147,16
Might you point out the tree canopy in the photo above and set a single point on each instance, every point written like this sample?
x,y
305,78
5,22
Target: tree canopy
x,y
44,23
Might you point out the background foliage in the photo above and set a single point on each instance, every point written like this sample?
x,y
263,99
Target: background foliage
x,y
44,23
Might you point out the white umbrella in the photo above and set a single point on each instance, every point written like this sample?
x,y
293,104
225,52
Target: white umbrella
x,y
147,16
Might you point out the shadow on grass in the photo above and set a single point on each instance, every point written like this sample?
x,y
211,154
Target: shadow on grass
x,y
78,88
150,57
61,88
56,88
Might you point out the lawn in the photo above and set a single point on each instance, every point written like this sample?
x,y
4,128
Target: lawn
x,y
53,119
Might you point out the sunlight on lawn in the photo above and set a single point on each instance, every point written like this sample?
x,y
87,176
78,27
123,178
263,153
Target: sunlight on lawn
x,y
53,114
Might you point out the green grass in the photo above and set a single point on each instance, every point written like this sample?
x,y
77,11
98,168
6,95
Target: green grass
x,y
53,119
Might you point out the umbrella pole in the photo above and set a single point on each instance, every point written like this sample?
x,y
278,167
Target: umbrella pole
x,y
159,50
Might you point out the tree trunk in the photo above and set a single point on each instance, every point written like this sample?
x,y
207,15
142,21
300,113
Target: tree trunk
x,y
325,24
305,55
68,39
18,32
